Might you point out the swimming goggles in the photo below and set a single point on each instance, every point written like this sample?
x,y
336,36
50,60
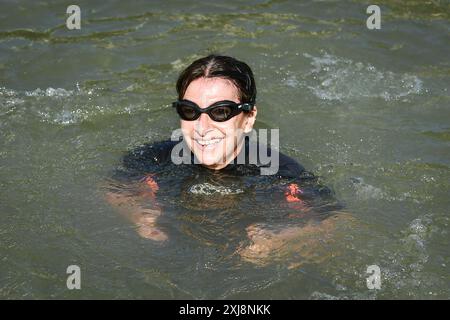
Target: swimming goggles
x,y
219,111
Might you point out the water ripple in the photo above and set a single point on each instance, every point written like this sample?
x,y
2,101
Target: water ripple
x,y
337,79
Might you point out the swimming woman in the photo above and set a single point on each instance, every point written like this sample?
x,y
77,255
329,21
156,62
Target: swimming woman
x,y
217,109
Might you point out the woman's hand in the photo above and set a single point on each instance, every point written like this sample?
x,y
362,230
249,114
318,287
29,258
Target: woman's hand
x,y
264,241
146,223
143,218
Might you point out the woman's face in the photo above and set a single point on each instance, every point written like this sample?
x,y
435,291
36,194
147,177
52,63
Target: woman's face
x,y
215,144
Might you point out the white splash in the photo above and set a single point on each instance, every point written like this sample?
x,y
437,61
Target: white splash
x,y
49,92
333,78
56,105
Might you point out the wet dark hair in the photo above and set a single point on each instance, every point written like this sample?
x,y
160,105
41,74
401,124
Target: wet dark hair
x,y
216,66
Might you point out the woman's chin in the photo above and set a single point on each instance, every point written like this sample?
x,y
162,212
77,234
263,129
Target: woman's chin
x,y
210,161
211,156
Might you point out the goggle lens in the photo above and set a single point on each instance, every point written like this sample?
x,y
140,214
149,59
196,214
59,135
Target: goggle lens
x,y
187,112
220,113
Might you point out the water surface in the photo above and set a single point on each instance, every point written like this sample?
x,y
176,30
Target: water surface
x,y
367,111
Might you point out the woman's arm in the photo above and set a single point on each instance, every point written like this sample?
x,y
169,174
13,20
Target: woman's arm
x,y
139,206
269,243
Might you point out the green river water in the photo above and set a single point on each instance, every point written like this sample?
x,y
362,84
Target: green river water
x,y
366,110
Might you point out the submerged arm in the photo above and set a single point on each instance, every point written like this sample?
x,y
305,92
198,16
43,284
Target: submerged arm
x,y
137,203
300,233
306,241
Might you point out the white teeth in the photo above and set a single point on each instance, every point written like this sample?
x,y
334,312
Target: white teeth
x,y
208,142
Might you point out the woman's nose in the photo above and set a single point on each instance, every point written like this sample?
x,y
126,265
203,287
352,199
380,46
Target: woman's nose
x,y
203,124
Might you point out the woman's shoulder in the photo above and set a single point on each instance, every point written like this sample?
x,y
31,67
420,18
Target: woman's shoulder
x,y
291,168
149,154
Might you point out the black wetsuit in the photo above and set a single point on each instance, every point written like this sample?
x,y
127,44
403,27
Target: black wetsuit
x,y
239,188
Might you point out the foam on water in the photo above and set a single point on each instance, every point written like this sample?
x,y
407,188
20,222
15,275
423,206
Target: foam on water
x,y
49,92
60,106
366,191
210,189
336,79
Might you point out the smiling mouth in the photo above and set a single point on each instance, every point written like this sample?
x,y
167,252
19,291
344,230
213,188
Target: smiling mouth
x,y
209,142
